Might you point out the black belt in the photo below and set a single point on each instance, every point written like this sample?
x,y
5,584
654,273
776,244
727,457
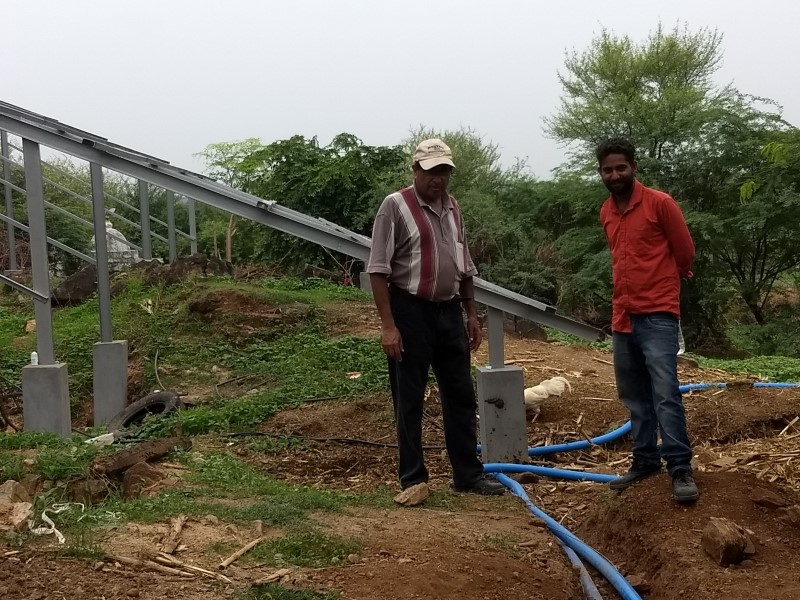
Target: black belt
x,y
437,304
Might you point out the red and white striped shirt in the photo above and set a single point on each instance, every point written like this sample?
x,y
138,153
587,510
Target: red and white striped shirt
x,y
422,252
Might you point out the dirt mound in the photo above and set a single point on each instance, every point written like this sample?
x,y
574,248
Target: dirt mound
x,y
728,415
643,531
481,553
240,312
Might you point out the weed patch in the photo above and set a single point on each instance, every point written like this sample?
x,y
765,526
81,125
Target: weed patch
x,y
274,591
306,548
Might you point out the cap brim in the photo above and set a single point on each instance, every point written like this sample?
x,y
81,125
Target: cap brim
x,y
429,163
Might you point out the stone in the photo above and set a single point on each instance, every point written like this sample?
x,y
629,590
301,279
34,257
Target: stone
x,y
525,478
790,515
88,490
412,496
76,288
30,326
13,491
750,548
685,361
139,477
768,498
14,515
32,483
724,541
639,583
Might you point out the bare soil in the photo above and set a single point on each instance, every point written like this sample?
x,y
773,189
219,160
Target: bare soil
x,y
461,546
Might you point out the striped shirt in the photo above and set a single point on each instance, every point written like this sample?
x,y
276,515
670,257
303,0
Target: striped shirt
x,y
422,252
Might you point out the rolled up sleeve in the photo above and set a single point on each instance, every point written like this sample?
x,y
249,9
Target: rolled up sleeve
x,y
383,244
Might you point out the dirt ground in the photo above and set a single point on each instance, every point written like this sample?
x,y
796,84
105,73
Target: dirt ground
x,y
487,548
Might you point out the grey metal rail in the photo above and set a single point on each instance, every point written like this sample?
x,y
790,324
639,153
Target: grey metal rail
x,y
95,149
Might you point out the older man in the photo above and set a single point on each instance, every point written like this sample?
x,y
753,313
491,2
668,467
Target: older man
x,y
421,275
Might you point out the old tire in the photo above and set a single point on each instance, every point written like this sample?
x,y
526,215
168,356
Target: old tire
x,y
157,403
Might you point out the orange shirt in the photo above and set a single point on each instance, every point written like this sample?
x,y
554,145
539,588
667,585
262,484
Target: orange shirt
x,y
651,249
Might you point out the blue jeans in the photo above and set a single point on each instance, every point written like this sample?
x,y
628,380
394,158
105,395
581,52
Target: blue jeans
x,y
646,369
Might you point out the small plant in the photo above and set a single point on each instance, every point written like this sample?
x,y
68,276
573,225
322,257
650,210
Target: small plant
x,y
503,542
11,466
61,464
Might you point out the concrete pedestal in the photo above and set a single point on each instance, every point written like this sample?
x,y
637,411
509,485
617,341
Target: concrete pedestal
x,y
45,399
501,407
110,379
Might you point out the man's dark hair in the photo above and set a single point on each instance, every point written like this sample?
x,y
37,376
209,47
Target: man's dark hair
x,y
616,145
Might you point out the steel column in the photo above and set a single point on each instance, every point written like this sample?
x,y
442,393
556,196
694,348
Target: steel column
x,y
38,249
494,326
12,246
101,251
144,214
192,225
173,253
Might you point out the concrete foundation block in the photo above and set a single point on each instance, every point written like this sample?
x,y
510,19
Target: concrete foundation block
x,y
45,399
110,379
501,406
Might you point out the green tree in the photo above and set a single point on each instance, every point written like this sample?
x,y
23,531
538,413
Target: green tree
x,y
659,93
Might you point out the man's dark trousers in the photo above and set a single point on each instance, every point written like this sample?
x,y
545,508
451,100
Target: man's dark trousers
x,y
433,335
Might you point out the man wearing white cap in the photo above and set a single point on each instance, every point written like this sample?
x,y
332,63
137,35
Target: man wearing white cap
x,y
421,274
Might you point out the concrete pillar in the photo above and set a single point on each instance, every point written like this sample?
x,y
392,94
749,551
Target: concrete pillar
x,y
45,399
501,406
110,379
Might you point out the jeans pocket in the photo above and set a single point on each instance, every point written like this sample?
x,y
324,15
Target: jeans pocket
x,y
663,321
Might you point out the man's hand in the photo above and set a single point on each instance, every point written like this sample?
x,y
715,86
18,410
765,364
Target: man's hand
x,y
474,332
392,343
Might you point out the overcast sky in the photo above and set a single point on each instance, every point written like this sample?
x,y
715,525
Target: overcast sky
x,y
169,77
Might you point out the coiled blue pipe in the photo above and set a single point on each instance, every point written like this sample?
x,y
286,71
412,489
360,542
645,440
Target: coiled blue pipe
x,y
589,588
594,558
548,472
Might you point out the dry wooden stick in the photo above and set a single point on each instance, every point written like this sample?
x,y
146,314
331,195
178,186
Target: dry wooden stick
x,y
790,425
135,562
171,561
228,561
605,362
173,538
272,577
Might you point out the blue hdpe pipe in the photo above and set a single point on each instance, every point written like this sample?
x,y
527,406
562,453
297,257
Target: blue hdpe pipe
x,y
594,558
548,472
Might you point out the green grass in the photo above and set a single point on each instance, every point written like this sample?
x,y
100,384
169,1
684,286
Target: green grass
x,y
573,340
11,466
28,440
275,591
306,548
63,464
220,485
774,368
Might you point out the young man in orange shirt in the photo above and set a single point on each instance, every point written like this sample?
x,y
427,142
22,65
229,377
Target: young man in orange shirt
x,y
651,249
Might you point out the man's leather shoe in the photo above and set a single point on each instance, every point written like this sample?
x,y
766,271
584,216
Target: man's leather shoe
x,y
684,489
636,474
484,487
